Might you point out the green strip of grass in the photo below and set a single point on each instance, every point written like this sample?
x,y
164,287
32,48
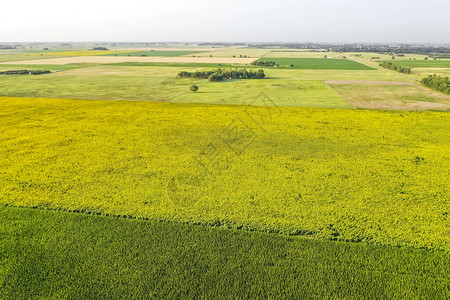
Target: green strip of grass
x,y
422,63
58,255
318,63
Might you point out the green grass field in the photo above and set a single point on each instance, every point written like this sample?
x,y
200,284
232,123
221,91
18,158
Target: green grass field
x,y
304,93
155,53
333,173
318,63
56,255
287,87
161,84
422,63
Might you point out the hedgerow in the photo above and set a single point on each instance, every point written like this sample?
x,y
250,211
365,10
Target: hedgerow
x,y
221,74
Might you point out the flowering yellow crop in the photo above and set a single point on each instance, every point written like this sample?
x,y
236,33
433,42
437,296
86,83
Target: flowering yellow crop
x,y
341,174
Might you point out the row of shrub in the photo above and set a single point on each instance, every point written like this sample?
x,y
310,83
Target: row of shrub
x,y
268,63
391,66
438,83
100,49
24,72
220,75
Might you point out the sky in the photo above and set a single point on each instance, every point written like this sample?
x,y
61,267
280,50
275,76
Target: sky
x,y
380,21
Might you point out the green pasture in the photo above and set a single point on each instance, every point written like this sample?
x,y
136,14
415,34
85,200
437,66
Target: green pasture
x,y
422,63
306,93
287,87
318,63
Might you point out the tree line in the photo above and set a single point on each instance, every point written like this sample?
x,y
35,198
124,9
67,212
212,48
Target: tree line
x,y
7,47
438,83
220,75
391,66
24,72
267,63
357,47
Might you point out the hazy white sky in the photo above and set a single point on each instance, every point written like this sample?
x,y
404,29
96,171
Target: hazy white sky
x,y
226,20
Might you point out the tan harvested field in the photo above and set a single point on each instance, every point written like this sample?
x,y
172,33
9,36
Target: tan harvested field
x,y
237,52
401,105
299,53
397,96
431,71
121,59
169,49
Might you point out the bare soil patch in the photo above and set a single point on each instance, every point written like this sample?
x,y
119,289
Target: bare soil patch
x,y
397,96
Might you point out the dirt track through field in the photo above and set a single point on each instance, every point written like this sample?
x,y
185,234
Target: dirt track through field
x,y
122,59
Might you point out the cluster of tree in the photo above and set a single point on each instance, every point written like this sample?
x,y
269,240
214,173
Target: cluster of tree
x,y
7,47
391,66
438,83
267,63
24,72
194,88
196,74
220,75
439,56
100,48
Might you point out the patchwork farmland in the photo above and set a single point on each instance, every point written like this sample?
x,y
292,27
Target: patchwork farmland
x,y
324,178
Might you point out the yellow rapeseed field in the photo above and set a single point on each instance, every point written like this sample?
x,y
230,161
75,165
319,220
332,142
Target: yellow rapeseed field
x,y
357,175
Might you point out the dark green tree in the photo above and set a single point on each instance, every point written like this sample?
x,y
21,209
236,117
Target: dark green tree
x,y
194,88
